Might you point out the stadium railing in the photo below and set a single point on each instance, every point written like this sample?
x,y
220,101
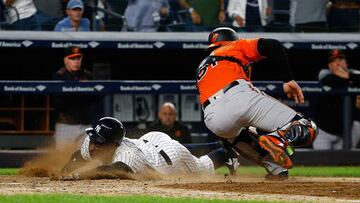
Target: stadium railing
x,y
111,89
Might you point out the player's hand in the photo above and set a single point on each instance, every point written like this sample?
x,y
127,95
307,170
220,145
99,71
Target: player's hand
x,y
222,16
338,68
293,90
240,21
196,19
70,177
269,11
357,104
164,11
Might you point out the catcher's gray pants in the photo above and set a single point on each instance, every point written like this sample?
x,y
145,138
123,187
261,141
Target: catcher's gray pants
x,y
242,106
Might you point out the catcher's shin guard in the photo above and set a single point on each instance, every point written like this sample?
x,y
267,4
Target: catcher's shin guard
x,y
300,131
276,145
277,150
247,146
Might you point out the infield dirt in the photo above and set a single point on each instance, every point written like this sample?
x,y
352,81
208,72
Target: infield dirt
x,y
217,187
37,177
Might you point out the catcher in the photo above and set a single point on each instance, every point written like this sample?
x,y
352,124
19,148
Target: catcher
x,y
258,126
154,151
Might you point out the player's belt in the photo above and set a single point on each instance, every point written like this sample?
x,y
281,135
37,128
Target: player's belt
x,y
225,89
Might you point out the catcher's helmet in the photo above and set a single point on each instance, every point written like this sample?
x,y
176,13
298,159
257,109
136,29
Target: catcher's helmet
x,y
221,36
106,130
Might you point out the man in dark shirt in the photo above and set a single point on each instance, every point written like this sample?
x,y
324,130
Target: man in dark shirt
x,y
167,123
73,112
329,115
344,16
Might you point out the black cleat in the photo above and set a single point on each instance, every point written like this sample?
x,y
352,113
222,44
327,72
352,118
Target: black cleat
x,y
284,175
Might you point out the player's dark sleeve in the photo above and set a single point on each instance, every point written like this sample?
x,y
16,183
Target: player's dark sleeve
x,y
76,161
273,49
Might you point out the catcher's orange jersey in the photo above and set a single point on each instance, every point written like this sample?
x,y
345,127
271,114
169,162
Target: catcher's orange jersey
x,y
217,74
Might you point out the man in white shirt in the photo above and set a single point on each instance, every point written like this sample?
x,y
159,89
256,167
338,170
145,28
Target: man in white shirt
x,y
250,15
20,15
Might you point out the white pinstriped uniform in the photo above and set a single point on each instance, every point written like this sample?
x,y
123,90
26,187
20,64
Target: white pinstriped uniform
x,y
148,152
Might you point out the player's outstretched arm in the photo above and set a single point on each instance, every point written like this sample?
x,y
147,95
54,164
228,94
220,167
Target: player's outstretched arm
x,y
118,170
114,168
76,161
293,90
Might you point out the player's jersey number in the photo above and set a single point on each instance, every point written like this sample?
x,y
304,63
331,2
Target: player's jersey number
x,y
203,67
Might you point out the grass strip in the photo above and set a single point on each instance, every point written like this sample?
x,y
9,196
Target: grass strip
x,y
307,171
64,198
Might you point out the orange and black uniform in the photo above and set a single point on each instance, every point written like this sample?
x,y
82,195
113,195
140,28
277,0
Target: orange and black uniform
x,y
231,104
233,61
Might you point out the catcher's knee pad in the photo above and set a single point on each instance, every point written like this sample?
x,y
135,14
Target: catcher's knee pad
x,y
300,131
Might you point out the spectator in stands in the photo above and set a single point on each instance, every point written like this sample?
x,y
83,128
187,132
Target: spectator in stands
x,y
329,114
205,15
73,112
49,13
74,21
116,23
249,15
308,15
168,124
355,131
145,15
20,15
344,16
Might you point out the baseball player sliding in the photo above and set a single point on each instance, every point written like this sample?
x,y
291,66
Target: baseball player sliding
x,y
154,151
259,127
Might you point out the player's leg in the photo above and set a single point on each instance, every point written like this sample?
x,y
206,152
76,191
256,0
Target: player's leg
x,y
247,146
223,157
244,105
287,127
205,164
230,113
300,131
355,134
182,161
188,163
217,153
